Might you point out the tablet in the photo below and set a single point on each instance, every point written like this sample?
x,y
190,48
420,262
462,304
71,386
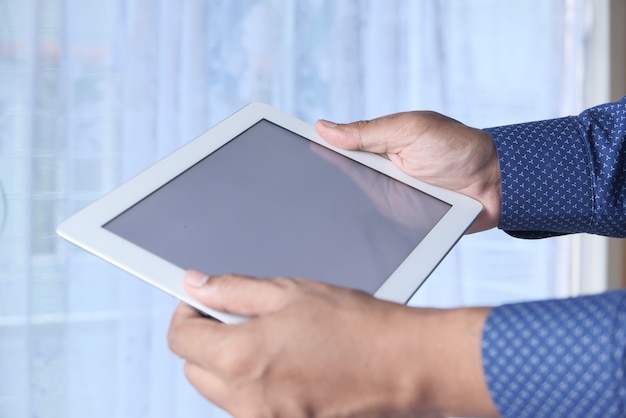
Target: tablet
x,y
262,194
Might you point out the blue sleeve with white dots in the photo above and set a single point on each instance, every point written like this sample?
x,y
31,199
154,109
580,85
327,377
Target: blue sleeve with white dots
x,y
564,175
559,358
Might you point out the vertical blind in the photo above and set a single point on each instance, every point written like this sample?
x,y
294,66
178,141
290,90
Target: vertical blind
x,y
92,92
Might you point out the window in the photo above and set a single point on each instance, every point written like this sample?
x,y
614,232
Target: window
x,y
93,92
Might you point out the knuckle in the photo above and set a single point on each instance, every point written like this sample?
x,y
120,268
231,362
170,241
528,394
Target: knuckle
x,y
234,364
286,283
230,364
173,339
227,283
293,289
189,370
358,131
253,410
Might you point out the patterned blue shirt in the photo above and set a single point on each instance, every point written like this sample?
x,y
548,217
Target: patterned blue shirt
x,y
561,358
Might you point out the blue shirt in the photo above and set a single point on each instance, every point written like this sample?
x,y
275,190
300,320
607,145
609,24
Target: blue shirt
x,y
561,358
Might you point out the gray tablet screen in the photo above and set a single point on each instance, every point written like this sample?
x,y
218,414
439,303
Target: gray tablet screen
x,y
270,203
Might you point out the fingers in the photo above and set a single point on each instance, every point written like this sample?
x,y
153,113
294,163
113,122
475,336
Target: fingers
x,y
379,189
193,337
208,384
226,396
241,295
214,353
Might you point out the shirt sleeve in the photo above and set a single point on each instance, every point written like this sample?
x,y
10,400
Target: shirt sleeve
x,y
558,358
564,175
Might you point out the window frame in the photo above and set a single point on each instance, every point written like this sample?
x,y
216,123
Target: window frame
x,y
597,262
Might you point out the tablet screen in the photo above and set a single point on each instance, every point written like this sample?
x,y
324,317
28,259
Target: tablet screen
x,y
271,203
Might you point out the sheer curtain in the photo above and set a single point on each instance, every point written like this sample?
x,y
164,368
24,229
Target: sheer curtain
x,y
93,92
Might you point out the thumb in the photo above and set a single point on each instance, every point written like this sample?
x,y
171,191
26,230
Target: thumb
x,y
350,136
236,294
384,135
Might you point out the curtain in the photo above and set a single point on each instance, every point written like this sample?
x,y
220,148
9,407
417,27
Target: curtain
x,y
92,92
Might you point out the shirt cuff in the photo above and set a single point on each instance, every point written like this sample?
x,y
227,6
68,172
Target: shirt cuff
x,y
558,358
545,177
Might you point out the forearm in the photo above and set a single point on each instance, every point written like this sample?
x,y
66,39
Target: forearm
x,y
448,361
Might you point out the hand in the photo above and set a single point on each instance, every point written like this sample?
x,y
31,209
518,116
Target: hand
x,y
432,148
314,350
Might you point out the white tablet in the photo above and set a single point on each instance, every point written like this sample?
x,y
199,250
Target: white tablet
x,y
262,194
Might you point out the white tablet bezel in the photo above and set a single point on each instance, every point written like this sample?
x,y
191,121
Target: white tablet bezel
x,y
85,228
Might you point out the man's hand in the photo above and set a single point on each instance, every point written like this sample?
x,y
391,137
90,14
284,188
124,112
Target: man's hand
x,y
433,148
314,350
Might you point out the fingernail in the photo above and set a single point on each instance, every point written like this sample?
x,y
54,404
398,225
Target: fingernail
x,y
328,123
195,278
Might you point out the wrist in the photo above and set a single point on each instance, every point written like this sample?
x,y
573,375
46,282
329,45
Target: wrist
x,y
487,187
444,366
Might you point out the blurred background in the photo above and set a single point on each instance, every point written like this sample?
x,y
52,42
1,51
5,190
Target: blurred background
x,y
94,91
